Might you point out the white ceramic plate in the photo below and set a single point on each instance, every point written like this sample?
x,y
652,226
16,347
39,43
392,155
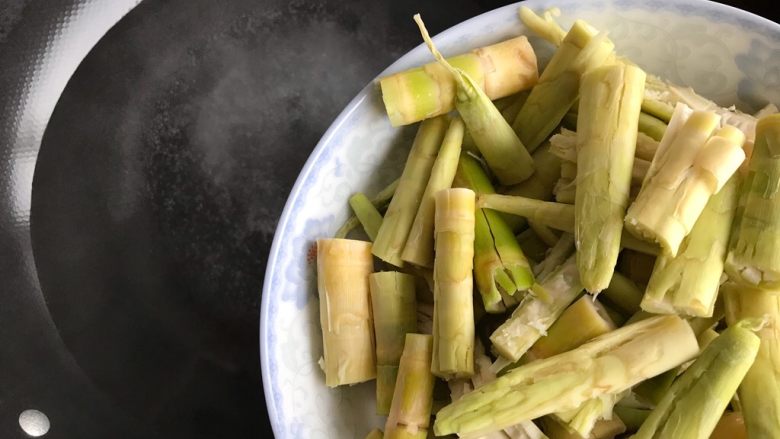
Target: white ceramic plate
x,y
726,54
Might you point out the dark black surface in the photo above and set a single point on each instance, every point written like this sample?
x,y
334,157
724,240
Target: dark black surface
x,y
158,186
162,174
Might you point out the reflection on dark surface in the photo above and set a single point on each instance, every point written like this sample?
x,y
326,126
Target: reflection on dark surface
x,y
160,180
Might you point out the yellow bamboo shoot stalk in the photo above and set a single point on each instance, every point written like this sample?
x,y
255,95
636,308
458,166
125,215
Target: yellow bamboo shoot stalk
x,y
419,244
398,219
759,392
410,414
610,102
691,165
608,364
500,70
583,320
688,283
343,266
544,26
375,434
394,307
453,314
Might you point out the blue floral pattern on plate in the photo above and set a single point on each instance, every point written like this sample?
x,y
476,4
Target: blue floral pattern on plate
x,y
728,55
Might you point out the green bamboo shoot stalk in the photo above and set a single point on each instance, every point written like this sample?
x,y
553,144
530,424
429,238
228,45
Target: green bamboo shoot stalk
x,y
623,293
397,223
506,156
533,246
537,312
366,213
655,388
500,267
558,216
547,234
691,165
419,244
380,201
648,126
732,426
660,110
583,320
694,403
510,111
636,266
759,393
651,126
754,254
579,323
453,315
565,191
604,429
688,283
631,417
501,69
559,83
540,185
608,364
610,101
375,434
707,337
557,255
646,147
569,168
394,307
410,413
483,375
564,146
584,418
343,266
506,101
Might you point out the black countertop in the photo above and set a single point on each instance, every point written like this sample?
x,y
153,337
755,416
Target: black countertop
x,y
157,188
